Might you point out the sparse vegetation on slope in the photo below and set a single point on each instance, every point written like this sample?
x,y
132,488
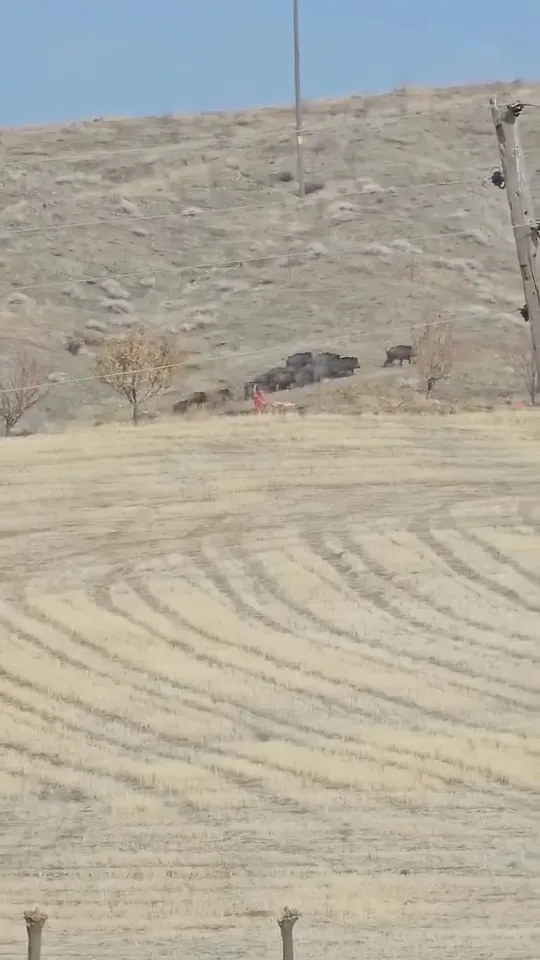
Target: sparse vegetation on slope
x,y
190,226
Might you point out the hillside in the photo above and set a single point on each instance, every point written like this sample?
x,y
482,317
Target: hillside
x,y
402,231
225,687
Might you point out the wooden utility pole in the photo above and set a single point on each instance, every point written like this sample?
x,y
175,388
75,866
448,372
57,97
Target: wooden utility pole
x,y
522,214
286,923
298,102
35,921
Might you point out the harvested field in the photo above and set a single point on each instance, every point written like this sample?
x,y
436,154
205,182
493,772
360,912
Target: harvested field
x,y
263,661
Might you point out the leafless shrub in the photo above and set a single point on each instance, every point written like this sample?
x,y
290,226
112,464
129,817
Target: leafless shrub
x,y
138,367
435,350
22,386
523,363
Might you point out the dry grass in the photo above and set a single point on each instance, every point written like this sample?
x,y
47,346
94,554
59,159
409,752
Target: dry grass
x,y
402,230
273,660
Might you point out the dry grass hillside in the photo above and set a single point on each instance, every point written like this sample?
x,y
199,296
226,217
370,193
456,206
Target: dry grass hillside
x,y
252,662
191,225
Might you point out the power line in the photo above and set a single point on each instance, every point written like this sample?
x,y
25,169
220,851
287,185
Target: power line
x,y
224,264
120,221
236,356
389,281
200,143
193,144
241,208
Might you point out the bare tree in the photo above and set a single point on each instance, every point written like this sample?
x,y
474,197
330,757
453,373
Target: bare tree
x,y
435,351
138,366
22,386
523,363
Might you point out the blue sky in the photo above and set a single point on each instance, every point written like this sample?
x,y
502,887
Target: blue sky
x,y
65,59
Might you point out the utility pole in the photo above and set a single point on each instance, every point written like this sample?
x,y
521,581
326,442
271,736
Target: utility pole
x,y
298,102
524,220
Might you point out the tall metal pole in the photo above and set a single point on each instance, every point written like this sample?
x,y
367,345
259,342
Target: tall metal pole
x,y
298,102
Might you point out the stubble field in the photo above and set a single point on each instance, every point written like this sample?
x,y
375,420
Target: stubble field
x,y
249,664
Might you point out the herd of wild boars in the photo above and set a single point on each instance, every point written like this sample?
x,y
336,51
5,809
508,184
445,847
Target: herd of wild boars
x,y
299,370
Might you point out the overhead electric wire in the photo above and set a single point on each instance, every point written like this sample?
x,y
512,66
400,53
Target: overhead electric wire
x,y
224,264
236,356
202,142
284,202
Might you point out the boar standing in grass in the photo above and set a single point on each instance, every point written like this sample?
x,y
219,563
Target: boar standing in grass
x,y
400,352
